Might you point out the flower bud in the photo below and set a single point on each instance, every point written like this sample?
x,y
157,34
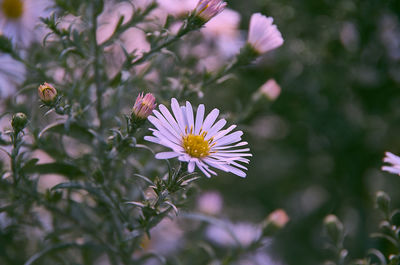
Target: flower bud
x,y
207,9
334,228
19,121
144,106
47,93
274,222
383,201
271,90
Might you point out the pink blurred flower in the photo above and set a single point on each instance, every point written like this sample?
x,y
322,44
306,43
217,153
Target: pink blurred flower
x,y
271,90
210,203
263,35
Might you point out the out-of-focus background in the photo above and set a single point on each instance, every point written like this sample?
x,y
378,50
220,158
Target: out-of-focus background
x,y
318,148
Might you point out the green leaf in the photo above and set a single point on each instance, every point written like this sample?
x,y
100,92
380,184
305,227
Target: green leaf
x,y
151,255
48,250
73,130
144,178
83,186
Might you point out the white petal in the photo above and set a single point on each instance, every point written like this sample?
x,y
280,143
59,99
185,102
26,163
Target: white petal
x,y
191,166
224,132
236,171
210,119
167,124
199,118
217,126
152,139
156,122
391,170
178,114
170,119
166,155
203,170
235,151
230,138
189,116
229,146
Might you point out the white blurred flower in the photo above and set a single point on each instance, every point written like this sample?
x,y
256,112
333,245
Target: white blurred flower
x,y
12,74
198,141
210,203
263,35
394,160
230,235
166,238
19,19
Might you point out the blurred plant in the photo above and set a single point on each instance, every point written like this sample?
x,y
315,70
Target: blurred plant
x,y
387,240
80,186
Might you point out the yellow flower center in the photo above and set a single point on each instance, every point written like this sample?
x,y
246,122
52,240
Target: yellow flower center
x,y
12,8
196,145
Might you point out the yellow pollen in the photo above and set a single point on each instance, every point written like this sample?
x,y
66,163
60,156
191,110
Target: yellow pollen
x,y
12,8
196,145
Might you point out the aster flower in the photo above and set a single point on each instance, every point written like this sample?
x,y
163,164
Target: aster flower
x,y
199,141
207,9
394,160
263,35
18,19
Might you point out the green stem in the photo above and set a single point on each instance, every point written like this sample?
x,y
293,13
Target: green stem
x,y
96,63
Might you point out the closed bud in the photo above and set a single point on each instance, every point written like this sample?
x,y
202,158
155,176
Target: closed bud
x,y
334,228
144,106
383,201
47,93
19,121
271,90
274,222
207,9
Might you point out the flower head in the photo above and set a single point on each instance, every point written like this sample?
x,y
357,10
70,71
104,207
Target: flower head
x,y
47,93
18,19
144,106
263,35
207,9
197,140
394,160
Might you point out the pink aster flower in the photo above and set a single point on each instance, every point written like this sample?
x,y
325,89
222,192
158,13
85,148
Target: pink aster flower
x,y
263,35
394,160
198,140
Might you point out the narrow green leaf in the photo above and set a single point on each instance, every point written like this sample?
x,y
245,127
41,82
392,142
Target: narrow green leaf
x,y
48,250
73,130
